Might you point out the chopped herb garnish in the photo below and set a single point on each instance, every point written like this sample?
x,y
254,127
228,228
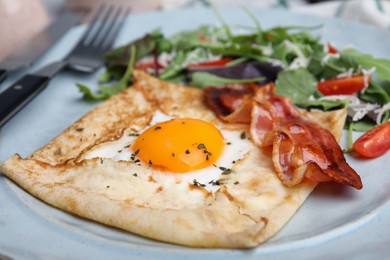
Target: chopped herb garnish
x,y
127,146
187,151
119,151
243,135
133,134
201,146
215,183
135,174
133,155
237,182
108,186
196,183
225,170
228,143
157,128
79,129
101,161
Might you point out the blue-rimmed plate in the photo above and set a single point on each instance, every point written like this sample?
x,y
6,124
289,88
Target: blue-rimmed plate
x,y
335,221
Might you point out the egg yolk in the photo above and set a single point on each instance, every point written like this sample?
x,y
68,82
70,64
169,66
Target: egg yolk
x,y
179,145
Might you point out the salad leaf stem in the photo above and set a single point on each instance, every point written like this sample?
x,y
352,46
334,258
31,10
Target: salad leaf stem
x,y
254,19
350,139
204,79
224,24
108,91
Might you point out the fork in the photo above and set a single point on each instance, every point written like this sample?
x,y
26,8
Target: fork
x,y
86,56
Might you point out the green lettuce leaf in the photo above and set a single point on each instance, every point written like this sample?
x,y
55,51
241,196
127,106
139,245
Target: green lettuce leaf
x,y
204,79
297,84
356,58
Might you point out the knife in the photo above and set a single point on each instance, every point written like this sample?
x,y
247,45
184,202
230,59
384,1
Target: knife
x,y
25,55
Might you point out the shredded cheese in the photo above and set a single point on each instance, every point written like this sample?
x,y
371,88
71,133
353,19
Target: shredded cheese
x,y
380,112
328,56
357,109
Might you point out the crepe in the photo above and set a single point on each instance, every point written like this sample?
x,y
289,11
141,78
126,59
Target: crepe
x,y
249,207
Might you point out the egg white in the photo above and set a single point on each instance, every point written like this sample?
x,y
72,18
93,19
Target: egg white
x,y
209,177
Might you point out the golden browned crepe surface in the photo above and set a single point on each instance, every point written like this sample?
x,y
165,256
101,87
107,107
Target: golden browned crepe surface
x,y
250,206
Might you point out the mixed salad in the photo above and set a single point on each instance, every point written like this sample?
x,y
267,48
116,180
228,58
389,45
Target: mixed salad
x,y
311,72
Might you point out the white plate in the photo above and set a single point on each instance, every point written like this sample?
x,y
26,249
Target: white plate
x,y
335,221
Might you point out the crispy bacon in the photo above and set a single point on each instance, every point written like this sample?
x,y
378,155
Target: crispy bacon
x,y
232,104
300,148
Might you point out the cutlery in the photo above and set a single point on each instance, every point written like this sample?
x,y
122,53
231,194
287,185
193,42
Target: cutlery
x,y
86,56
25,55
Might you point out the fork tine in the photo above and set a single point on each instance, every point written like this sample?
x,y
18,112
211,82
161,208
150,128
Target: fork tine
x,y
108,22
115,28
85,39
87,55
101,29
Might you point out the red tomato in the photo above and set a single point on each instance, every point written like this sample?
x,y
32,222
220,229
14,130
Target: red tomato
x,y
202,38
147,65
215,63
332,49
343,86
374,142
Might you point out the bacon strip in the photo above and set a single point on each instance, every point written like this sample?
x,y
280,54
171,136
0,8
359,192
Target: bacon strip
x,y
300,148
232,104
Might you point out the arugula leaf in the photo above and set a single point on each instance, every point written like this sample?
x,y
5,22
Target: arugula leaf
x,y
375,93
278,35
189,40
224,24
356,58
363,125
204,79
386,86
108,91
175,67
117,60
254,19
297,84
329,69
325,105
89,95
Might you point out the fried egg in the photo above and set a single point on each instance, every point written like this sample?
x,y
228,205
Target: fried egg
x,y
181,149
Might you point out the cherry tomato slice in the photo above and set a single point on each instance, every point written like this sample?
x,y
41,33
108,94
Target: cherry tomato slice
x,y
375,142
147,65
207,64
343,86
332,49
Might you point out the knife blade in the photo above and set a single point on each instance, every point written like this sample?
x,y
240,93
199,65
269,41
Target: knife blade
x,y
25,55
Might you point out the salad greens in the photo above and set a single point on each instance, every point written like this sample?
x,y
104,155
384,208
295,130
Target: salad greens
x,y
290,56
108,91
200,78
